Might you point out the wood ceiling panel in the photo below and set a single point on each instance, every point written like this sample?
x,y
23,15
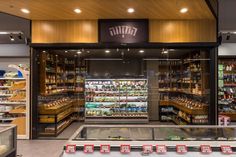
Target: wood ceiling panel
x,y
106,9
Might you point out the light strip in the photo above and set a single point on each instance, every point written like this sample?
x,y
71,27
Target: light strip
x,y
103,59
198,59
157,59
10,32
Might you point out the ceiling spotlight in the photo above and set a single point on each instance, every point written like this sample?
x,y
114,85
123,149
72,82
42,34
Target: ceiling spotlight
x,y
88,51
228,36
79,52
141,51
165,51
184,10
78,11
44,51
130,10
66,51
26,11
107,51
12,38
20,36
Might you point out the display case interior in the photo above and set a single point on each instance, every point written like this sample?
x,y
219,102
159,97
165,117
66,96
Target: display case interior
x,y
116,100
7,140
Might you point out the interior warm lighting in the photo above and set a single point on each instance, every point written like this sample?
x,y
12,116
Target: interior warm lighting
x,y
234,32
107,51
78,11
3,32
26,11
79,52
130,10
184,10
141,51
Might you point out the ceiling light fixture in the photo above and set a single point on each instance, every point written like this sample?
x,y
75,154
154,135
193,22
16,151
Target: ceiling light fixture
x,y
66,51
228,36
184,10
79,52
141,51
107,51
26,11
77,10
234,32
11,38
130,10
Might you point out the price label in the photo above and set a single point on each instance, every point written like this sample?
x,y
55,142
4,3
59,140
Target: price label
x,y
147,149
70,148
105,148
161,149
226,149
89,148
125,149
181,149
206,149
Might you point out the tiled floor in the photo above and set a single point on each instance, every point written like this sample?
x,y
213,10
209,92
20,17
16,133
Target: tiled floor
x,y
40,148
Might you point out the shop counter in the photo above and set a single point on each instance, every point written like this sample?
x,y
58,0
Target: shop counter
x,y
151,140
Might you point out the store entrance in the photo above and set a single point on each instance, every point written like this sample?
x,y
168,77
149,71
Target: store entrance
x,y
121,86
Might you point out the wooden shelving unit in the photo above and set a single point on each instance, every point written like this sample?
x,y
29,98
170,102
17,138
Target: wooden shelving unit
x,y
187,77
62,76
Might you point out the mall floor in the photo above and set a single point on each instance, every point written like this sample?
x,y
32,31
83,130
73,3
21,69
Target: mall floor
x,y
50,147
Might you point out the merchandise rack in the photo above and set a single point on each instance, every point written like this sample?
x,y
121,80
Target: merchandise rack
x,y
18,116
115,103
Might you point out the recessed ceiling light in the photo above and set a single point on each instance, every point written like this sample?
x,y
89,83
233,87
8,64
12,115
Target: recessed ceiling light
x,y
79,52
44,51
78,11
107,51
141,51
130,10
26,11
184,10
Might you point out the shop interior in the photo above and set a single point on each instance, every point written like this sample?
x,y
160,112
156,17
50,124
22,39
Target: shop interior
x,y
120,86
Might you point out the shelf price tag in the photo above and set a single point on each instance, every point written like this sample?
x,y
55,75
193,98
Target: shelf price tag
x,y
147,149
88,148
226,149
125,148
105,148
70,148
206,149
181,149
161,149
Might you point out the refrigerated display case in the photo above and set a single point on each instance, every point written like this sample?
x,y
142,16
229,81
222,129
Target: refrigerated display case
x,y
89,140
116,100
7,140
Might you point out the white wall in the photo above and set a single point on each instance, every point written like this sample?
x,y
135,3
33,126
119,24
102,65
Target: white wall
x,y
227,49
14,50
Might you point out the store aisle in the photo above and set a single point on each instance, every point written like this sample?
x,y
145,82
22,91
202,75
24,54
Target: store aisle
x,y
40,148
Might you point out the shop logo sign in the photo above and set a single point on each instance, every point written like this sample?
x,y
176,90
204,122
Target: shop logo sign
x,y
123,31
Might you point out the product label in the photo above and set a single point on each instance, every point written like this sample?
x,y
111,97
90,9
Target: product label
x,y
88,148
125,149
206,149
70,148
147,149
105,148
226,149
161,149
181,149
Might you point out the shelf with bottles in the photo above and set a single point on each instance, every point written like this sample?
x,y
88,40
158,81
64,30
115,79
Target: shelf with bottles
x,y
190,111
227,88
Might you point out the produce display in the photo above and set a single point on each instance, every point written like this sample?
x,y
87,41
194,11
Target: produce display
x,y
121,98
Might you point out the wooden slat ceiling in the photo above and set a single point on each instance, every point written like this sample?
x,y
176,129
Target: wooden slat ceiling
x,y
106,9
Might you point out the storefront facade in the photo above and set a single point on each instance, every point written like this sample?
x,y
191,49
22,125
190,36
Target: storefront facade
x,y
190,40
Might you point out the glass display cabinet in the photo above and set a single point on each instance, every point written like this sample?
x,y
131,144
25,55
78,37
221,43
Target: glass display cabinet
x,y
7,140
90,139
